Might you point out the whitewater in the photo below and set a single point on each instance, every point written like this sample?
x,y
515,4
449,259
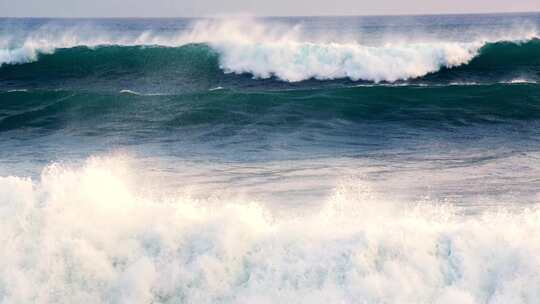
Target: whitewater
x,y
133,247
270,160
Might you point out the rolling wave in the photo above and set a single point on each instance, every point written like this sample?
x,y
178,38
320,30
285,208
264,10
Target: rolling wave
x,y
418,106
266,52
310,61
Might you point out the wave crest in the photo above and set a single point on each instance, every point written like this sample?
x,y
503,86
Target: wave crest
x,y
286,53
301,61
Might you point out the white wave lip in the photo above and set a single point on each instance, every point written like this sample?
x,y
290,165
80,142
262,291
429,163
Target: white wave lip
x,y
274,50
89,235
19,55
296,61
250,47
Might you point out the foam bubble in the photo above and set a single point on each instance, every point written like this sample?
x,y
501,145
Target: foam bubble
x,y
92,233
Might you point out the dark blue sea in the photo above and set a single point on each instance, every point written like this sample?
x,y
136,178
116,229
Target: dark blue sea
x,y
365,159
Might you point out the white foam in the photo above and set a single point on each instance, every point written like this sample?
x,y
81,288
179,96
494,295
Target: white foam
x,y
93,234
301,61
521,81
19,55
131,92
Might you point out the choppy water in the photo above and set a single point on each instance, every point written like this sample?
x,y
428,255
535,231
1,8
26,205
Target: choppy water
x,y
278,160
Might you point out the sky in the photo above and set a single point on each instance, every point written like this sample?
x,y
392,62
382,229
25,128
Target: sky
x,y
196,8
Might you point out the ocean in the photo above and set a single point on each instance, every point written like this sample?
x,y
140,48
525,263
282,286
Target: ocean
x,y
374,159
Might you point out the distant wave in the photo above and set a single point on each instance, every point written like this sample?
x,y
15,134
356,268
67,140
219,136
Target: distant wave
x,y
285,55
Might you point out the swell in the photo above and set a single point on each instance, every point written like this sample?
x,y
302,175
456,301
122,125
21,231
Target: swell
x,y
502,60
417,106
198,63
114,65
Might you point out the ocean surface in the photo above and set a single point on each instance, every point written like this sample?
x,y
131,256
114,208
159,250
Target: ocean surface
x,y
270,160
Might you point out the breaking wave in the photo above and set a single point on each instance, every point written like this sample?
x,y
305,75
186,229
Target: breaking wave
x,y
95,233
266,52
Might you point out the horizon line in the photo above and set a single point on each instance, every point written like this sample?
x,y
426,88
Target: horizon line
x,y
217,16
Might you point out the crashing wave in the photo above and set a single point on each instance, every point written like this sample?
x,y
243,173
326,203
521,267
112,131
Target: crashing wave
x,y
132,247
272,51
